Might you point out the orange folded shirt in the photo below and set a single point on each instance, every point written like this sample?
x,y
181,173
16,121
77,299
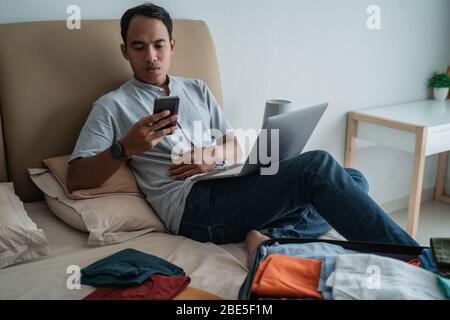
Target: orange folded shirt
x,y
284,276
191,293
415,262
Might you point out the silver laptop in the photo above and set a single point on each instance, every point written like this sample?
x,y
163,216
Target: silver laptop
x,y
295,129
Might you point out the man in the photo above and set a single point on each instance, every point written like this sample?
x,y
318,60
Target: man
x,y
309,193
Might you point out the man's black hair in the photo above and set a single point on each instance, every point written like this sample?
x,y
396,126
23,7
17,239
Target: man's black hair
x,y
148,10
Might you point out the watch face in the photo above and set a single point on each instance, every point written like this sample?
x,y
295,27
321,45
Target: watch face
x,y
116,150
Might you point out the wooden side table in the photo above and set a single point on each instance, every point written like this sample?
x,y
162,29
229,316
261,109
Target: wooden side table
x,y
421,128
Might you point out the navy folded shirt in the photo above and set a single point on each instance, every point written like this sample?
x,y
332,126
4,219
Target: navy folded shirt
x,y
126,268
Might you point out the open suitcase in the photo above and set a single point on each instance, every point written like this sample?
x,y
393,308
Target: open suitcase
x,y
400,252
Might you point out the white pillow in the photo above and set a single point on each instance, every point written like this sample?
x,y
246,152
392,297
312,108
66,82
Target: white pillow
x,y
108,219
20,239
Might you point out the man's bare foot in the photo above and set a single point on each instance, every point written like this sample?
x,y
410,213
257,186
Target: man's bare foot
x,y
252,240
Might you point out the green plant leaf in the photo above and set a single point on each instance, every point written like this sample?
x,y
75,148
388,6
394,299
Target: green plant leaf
x,y
439,80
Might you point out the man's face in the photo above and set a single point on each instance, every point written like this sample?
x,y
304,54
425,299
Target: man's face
x,y
148,49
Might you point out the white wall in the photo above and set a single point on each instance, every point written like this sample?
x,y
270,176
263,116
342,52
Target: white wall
x,y
308,51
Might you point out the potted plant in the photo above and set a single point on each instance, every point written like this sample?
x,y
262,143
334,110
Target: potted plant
x,y
440,82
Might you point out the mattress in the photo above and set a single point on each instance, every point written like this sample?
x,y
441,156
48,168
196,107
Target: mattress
x,y
218,269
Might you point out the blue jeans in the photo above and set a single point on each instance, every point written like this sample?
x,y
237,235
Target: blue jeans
x,y
310,193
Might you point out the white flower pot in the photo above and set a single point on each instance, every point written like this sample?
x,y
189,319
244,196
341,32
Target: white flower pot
x,y
440,93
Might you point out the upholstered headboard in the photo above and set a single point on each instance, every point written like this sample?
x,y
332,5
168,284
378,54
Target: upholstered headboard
x,y
50,76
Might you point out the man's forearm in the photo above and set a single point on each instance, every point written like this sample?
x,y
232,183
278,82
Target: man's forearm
x,y
86,173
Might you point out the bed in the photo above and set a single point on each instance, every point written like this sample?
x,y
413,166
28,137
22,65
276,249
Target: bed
x,y
49,77
207,264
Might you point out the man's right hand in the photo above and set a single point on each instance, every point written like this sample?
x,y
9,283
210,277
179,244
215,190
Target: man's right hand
x,y
143,136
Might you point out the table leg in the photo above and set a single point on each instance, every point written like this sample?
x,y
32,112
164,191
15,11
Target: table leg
x,y
441,176
416,182
350,142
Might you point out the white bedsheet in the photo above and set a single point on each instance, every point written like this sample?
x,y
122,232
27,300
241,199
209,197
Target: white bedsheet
x,y
217,269
220,270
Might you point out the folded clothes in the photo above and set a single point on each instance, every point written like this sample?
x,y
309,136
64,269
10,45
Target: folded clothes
x,y
125,268
325,252
441,254
156,288
415,262
283,276
372,277
191,293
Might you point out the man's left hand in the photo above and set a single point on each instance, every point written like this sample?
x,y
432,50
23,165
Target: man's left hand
x,y
190,166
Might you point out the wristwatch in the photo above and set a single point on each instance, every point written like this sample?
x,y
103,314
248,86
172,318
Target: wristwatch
x,y
118,152
222,165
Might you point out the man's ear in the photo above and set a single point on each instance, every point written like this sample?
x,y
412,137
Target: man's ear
x,y
123,48
172,46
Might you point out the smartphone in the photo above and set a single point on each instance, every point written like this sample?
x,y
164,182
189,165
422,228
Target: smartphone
x,y
171,103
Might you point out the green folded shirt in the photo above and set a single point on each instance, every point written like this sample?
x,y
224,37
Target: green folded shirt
x,y
126,268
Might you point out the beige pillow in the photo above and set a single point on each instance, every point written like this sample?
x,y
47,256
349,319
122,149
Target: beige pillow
x,y
108,219
121,182
20,239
